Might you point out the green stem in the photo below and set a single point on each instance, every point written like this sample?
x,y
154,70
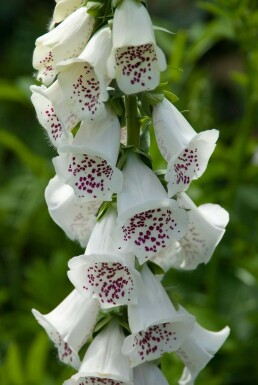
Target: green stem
x,y
132,122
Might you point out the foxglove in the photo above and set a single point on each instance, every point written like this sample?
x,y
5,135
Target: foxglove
x,y
88,165
205,229
136,61
155,324
78,225
65,41
147,220
103,273
186,152
69,325
64,8
103,362
84,79
198,349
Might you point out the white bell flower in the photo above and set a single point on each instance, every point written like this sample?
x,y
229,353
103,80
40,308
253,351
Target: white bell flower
x,y
65,41
148,374
103,273
84,79
205,229
88,165
147,220
104,363
155,324
59,120
198,349
69,325
136,61
186,152
77,220
64,8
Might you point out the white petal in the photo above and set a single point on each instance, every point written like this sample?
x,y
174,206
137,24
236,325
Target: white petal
x,y
147,221
60,199
65,41
69,325
64,8
58,120
155,324
84,88
191,162
103,362
149,374
173,132
198,349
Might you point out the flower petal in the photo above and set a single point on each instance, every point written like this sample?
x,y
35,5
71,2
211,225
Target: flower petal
x,y
69,325
103,362
78,225
198,349
149,374
64,8
191,162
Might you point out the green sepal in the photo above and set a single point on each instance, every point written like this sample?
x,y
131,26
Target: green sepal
x,y
94,8
103,209
104,319
170,96
154,98
154,268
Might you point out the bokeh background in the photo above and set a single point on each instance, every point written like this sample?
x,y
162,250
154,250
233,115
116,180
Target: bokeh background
x,y
213,68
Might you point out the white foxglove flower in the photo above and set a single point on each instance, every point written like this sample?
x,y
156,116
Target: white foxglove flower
x,y
136,61
104,362
89,164
69,325
148,374
186,152
65,41
64,8
198,349
76,219
84,79
155,324
103,273
205,229
59,120
147,220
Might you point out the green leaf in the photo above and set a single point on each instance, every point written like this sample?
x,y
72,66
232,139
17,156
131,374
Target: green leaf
x,y
37,358
14,366
13,93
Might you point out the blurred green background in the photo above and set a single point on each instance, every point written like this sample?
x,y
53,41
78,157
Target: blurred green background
x,y
213,68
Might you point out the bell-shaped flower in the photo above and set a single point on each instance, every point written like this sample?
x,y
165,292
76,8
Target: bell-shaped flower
x,y
77,220
155,324
148,374
198,349
103,273
104,362
59,120
84,79
89,164
205,229
64,8
69,325
147,220
65,41
135,61
186,152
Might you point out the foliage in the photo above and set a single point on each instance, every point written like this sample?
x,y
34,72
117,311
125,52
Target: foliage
x,y
212,68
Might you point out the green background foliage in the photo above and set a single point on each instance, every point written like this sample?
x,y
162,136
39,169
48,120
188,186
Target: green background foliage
x,y
212,67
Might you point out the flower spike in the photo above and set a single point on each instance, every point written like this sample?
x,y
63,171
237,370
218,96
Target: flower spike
x,y
104,362
205,229
136,61
186,152
198,349
69,325
89,164
103,273
84,79
147,220
65,41
60,199
155,324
